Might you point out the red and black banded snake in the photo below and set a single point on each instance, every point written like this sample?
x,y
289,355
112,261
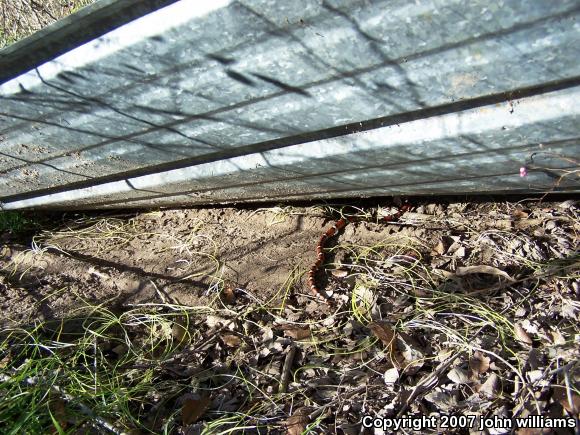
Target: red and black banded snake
x,y
331,232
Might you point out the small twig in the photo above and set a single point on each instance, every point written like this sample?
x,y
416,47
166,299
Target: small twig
x,y
213,338
285,378
548,272
562,368
427,382
569,391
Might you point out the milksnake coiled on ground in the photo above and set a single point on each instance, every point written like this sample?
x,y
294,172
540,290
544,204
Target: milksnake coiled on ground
x,y
331,232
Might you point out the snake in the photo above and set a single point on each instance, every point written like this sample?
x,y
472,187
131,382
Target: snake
x,y
333,231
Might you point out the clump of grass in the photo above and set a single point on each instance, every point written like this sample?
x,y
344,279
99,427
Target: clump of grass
x,y
15,222
95,369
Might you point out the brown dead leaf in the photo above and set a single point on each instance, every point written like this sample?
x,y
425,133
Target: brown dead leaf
x,y
339,273
574,407
443,401
521,334
391,376
520,312
412,354
502,224
58,410
358,356
228,295
298,333
231,340
455,245
557,337
193,409
179,329
384,332
536,359
458,375
489,270
534,375
4,361
491,386
120,349
440,248
528,223
459,252
560,395
365,298
297,422
479,363
519,214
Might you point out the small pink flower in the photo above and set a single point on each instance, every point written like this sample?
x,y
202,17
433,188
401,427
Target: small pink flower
x,y
523,171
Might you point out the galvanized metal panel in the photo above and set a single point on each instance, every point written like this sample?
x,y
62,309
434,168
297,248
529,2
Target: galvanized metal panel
x,y
210,89
448,154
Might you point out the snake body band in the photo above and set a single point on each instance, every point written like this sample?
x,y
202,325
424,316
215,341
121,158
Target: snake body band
x,y
331,232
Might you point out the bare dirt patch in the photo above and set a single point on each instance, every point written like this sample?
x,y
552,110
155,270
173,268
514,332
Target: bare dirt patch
x,y
186,254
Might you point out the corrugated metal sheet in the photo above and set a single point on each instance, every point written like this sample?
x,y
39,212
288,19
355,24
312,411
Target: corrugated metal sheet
x,y
216,102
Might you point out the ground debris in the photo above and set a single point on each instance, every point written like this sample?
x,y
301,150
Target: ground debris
x,y
458,309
